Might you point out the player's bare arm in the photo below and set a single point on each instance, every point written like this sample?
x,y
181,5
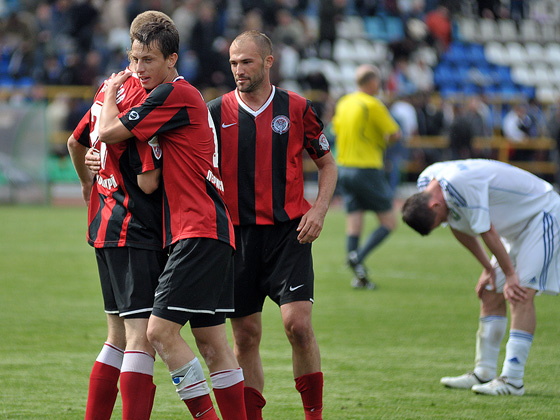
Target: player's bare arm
x,y
513,291
472,243
111,129
77,152
149,181
311,223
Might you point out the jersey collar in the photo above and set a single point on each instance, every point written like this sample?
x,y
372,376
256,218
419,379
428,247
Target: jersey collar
x,y
261,109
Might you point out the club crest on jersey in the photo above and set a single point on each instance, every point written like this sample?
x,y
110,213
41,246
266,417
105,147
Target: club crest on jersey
x,y
323,142
133,116
154,144
280,124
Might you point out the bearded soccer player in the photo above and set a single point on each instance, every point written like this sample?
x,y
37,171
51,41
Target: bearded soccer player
x,y
125,230
196,284
263,131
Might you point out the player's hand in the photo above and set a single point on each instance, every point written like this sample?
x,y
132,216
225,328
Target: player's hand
x,y
487,280
513,291
310,226
93,161
117,79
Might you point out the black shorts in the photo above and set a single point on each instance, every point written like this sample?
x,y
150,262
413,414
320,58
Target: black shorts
x,y
269,261
196,284
365,189
129,277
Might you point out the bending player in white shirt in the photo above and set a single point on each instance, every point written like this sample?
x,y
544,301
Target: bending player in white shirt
x,y
517,216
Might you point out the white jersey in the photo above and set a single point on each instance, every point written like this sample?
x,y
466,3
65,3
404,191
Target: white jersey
x,y
480,192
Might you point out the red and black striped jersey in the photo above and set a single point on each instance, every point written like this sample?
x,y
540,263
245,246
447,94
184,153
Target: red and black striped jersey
x,y
261,155
193,203
120,213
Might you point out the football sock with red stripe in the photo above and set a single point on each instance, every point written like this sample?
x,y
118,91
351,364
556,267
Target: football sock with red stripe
x,y
103,390
310,387
228,390
137,385
254,403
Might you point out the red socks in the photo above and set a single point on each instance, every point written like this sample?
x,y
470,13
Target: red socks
x,y
137,385
254,403
137,392
310,386
202,407
228,390
102,392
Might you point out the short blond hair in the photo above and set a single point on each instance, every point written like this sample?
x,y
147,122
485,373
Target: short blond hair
x,y
367,72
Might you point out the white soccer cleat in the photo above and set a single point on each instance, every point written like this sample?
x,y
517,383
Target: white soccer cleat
x,y
465,381
356,283
499,386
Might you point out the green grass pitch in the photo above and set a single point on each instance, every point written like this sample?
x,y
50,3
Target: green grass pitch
x,y
383,351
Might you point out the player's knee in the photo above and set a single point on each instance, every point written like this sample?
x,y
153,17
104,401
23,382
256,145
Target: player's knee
x,y
299,332
246,335
157,337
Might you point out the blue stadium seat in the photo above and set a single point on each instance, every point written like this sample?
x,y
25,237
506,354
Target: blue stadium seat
x,y
394,28
375,28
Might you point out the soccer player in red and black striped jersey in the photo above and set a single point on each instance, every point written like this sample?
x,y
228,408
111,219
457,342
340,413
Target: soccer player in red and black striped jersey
x,y
196,285
262,133
124,218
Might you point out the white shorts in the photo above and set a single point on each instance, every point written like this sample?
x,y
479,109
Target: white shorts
x,y
536,255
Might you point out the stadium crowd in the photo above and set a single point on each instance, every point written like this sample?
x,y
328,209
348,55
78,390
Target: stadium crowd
x,y
80,42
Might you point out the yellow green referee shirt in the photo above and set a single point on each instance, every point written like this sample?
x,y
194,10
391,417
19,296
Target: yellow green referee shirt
x,y
361,124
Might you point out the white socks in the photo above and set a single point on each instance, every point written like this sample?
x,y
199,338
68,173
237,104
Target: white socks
x,y
517,351
491,331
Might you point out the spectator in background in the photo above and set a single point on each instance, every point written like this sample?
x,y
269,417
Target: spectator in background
x,y
185,17
399,83
252,21
404,114
421,74
518,126
17,38
289,31
84,16
330,12
204,34
438,22
467,123
488,9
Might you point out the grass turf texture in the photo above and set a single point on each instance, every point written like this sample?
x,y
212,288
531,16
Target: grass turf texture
x,y
383,351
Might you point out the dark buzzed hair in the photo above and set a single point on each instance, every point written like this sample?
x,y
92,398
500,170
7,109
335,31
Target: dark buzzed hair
x,y
417,214
262,41
153,27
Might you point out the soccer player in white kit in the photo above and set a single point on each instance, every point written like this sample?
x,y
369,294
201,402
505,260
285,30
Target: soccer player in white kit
x,y
517,216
